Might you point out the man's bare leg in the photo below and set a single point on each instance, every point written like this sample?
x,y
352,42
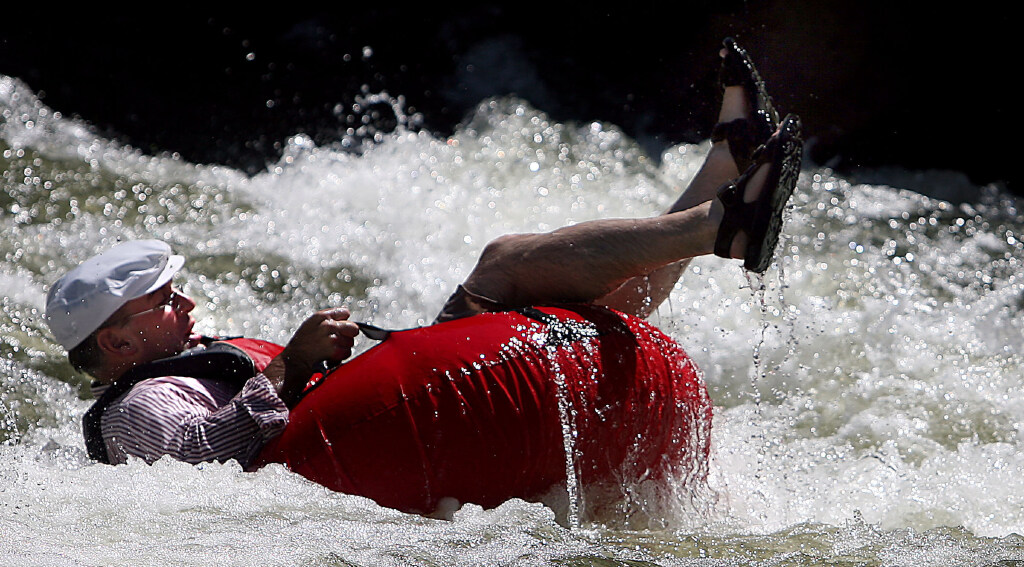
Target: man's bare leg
x,y
586,261
630,265
641,295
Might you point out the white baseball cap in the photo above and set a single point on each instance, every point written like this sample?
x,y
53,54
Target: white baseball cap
x,y
82,300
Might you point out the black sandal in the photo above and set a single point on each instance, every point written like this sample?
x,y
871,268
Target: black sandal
x,y
745,135
761,219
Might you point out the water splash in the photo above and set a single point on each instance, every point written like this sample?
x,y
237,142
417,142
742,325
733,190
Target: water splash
x,y
567,419
900,399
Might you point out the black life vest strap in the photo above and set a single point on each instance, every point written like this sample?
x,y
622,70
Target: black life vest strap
x,y
218,361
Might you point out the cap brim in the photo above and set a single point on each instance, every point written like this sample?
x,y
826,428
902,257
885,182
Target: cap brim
x,y
174,264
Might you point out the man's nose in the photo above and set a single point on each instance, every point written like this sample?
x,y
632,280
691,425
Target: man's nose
x,y
183,304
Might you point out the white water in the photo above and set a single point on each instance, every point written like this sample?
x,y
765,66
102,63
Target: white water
x,y
882,422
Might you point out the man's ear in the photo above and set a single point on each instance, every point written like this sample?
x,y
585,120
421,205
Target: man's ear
x,y
113,341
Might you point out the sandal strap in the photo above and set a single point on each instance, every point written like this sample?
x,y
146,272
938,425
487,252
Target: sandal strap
x,y
735,218
738,70
744,135
739,215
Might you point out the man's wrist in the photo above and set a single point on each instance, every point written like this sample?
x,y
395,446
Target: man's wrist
x,y
288,374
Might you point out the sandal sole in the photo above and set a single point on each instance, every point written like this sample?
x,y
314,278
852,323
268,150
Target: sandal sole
x,y
764,118
785,173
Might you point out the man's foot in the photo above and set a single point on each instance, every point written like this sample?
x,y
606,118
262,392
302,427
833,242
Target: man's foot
x,y
745,121
753,203
748,117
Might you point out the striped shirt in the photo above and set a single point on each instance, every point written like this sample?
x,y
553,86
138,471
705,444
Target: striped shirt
x,y
192,420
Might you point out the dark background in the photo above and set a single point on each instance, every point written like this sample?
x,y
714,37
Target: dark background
x,y
876,83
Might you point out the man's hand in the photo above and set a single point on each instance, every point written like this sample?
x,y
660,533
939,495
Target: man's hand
x,y
327,336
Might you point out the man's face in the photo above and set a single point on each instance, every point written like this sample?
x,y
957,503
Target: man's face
x,y
158,323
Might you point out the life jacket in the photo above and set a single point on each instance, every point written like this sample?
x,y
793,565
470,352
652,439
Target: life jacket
x,y
232,360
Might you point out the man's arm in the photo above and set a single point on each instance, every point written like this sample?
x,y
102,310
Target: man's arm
x,y
194,420
327,335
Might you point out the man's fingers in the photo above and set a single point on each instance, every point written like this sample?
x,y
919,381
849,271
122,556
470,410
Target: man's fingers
x,y
341,338
344,328
342,334
325,335
340,354
332,314
336,313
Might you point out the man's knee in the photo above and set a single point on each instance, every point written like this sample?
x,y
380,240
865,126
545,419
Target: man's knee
x,y
502,270
505,251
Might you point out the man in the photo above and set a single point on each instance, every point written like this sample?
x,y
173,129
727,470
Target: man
x,y
119,311
120,317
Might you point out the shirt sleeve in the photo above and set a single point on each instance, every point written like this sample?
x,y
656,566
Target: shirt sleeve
x,y
178,417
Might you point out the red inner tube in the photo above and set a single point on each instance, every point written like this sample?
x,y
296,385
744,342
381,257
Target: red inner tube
x,y
469,409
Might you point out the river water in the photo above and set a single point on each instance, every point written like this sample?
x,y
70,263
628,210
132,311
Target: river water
x,y
869,391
